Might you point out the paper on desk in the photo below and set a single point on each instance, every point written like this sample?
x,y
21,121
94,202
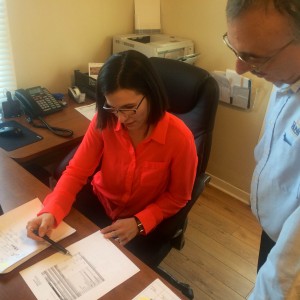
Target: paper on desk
x,y
96,267
158,291
15,246
87,110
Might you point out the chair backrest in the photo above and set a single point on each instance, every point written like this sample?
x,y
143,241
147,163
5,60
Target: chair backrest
x,y
193,96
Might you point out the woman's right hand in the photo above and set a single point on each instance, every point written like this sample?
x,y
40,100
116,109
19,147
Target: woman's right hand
x,y
43,223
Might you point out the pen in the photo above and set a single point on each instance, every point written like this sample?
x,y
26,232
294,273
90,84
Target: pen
x,y
55,245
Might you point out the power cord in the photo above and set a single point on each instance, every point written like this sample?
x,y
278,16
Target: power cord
x,y
56,130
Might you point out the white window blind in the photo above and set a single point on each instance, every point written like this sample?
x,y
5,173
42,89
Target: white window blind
x,y
7,73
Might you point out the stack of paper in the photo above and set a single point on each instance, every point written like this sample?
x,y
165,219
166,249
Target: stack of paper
x,y
15,246
234,89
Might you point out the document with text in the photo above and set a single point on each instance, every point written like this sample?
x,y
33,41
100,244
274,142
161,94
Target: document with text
x,y
87,110
15,246
95,267
156,290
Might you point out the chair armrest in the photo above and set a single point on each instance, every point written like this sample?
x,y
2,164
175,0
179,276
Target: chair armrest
x,y
169,227
64,163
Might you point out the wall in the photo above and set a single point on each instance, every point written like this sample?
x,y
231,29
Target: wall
x,y
236,131
50,39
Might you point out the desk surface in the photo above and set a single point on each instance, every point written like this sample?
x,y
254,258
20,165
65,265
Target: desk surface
x,y
68,118
17,186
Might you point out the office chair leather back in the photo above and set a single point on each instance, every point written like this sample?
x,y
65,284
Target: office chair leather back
x,y
193,97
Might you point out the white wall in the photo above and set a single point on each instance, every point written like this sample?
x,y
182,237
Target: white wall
x,y
50,39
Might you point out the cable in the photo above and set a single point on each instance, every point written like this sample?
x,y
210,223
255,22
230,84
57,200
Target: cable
x,y
56,130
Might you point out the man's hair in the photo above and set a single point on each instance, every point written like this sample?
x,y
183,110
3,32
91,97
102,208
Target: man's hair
x,y
130,70
291,8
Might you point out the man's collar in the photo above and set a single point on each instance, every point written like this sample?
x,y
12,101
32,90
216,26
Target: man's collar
x,y
293,87
296,86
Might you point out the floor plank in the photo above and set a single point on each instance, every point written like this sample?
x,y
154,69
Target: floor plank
x,y
220,254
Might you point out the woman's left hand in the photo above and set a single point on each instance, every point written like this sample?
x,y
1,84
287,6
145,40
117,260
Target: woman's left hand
x,y
123,230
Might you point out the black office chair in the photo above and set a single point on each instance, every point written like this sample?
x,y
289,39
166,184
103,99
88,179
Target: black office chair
x,y
193,97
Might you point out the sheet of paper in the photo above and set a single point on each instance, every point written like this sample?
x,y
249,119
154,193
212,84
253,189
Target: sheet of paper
x,y
147,14
158,291
233,77
87,110
240,96
96,267
15,246
224,86
234,89
94,69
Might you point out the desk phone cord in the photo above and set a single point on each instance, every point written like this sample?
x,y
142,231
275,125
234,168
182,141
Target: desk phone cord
x,y
56,130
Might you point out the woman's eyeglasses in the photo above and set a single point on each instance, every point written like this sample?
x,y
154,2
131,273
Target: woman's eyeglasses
x,y
124,111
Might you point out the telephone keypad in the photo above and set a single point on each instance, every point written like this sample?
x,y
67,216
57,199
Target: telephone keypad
x,y
47,102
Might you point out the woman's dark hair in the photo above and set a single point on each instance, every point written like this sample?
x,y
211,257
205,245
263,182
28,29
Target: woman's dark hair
x,y
291,8
130,70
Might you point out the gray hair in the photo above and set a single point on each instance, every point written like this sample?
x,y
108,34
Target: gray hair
x,y
290,8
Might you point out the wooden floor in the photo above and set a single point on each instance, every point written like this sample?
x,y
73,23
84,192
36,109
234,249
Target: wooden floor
x,y
221,248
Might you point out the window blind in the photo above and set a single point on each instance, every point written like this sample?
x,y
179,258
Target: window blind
x,y
7,73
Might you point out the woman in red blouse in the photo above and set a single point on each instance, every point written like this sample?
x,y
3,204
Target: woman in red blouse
x,y
148,159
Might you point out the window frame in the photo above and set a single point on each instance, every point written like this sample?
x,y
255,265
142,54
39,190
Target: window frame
x,y
7,69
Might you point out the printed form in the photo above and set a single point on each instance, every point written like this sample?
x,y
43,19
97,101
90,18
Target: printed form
x,y
158,291
96,267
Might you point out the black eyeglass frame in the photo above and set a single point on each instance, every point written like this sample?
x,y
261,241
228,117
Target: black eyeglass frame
x,y
245,58
125,111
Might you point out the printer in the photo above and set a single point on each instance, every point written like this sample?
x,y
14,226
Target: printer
x,y
158,45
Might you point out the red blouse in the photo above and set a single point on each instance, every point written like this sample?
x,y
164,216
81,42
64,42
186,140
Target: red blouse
x,y
151,182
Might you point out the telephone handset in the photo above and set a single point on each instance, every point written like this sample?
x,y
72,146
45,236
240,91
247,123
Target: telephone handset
x,y
37,101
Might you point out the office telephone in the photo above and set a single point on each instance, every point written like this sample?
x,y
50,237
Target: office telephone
x,y
37,101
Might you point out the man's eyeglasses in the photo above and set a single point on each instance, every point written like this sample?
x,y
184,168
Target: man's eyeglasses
x,y
124,111
254,62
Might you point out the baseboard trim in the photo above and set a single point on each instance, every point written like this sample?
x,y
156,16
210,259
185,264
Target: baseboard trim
x,y
229,189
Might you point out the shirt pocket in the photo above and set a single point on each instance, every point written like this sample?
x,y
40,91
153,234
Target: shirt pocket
x,y
154,174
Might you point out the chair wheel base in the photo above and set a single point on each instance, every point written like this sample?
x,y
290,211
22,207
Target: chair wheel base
x,y
178,242
183,287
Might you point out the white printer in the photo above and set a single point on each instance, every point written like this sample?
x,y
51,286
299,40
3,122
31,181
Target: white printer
x,y
161,45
